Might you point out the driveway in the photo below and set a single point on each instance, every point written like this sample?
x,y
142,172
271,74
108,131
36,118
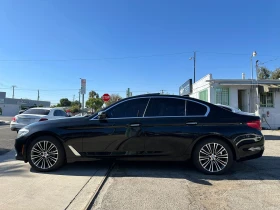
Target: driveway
x,y
252,185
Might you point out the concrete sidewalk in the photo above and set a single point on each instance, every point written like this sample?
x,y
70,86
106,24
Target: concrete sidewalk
x,y
71,187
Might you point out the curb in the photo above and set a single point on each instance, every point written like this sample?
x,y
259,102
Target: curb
x,y
87,193
5,122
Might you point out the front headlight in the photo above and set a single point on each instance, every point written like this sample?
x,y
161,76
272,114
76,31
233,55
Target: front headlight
x,y
22,132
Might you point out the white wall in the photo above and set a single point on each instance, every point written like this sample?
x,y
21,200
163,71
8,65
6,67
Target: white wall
x,y
201,85
10,109
274,113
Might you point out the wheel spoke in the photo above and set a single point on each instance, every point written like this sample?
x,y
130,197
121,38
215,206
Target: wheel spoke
x,y
221,150
40,146
52,158
209,148
204,165
43,163
204,152
222,155
36,150
215,148
35,156
201,158
217,165
48,162
38,161
221,162
50,148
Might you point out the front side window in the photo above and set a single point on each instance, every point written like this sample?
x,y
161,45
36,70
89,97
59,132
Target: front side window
x,y
165,107
222,96
131,108
266,99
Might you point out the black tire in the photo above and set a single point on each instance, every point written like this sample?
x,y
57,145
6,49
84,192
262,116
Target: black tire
x,y
56,153
215,162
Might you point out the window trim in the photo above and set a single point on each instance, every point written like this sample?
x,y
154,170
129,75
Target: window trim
x,y
272,96
187,99
228,96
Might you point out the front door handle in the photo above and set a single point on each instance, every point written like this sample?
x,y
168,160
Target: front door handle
x,y
135,125
191,123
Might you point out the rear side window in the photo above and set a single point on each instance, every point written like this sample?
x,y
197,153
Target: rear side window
x,y
165,107
59,113
37,111
131,108
194,108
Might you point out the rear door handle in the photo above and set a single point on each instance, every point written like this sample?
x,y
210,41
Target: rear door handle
x,y
135,125
191,123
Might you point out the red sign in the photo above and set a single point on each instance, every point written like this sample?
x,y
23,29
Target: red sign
x,y
106,97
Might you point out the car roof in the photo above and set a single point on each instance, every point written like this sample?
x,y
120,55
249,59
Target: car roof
x,y
41,108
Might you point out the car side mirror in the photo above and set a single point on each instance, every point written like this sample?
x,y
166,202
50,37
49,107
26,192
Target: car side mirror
x,y
102,115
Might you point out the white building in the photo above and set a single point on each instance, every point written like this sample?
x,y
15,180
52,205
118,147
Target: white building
x,y
11,106
259,96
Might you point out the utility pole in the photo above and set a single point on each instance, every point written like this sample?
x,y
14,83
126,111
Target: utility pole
x,y
79,97
161,91
257,89
38,97
14,90
194,63
73,98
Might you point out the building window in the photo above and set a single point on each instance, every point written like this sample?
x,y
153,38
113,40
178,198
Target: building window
x,y
266,99
203,95
222,96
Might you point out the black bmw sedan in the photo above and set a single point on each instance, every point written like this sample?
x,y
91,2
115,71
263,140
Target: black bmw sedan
x,y
146,127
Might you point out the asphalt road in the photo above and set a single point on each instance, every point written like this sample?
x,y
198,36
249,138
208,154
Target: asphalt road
x,y
7,139
252,185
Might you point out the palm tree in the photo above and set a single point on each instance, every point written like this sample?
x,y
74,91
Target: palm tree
x,y
93,94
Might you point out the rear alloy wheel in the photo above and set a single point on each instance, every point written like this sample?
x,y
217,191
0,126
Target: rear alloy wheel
x,y
45,154
212,156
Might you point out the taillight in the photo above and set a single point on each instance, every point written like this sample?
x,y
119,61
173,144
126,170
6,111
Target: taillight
x,y
43,119
255,124
14,119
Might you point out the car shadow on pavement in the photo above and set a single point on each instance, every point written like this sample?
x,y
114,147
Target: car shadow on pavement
x,y
264,168
79,168
271,137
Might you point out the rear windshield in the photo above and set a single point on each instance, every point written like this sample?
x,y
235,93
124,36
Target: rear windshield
x,y
37,111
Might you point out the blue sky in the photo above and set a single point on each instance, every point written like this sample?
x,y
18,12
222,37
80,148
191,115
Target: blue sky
x,y
141,44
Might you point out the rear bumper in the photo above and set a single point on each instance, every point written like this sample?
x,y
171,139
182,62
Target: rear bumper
x,y
250,148
257,154
16,126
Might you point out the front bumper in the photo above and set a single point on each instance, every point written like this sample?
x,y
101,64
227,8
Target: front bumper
x,y
20,149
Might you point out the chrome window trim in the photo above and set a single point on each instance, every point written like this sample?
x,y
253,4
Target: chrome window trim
x,y
152,117
146,107
187,99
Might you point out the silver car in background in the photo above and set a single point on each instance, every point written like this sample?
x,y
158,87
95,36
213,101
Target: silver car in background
x,y
35,115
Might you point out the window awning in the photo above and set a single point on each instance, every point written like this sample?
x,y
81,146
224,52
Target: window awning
x,y
267,88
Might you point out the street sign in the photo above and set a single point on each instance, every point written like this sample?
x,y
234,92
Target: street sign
x,y
186,88
106,97
83,86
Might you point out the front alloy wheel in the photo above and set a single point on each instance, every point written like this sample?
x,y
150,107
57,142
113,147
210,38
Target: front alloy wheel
x,y
213,157
45,154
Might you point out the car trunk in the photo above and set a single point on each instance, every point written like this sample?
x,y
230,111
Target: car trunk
x,y
29,118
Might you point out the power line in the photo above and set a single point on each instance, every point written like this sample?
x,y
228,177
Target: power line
x,y
269,61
